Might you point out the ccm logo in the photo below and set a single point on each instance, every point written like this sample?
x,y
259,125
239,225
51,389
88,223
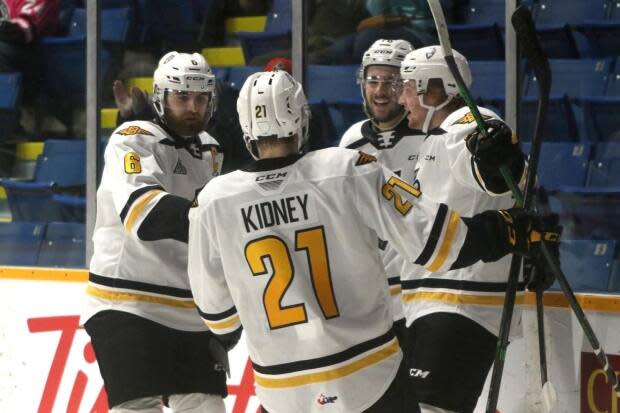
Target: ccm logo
x,y
419,373
271,176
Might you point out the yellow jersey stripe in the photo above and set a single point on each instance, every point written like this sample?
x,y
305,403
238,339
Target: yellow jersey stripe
x,y
122,296
139,206
444,250
454,298
395,290
222,325
334,374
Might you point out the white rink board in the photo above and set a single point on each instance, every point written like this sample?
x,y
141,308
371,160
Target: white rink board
x,y
47,366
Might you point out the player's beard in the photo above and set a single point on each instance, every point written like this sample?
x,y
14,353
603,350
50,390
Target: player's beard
x,y
186,127
395,112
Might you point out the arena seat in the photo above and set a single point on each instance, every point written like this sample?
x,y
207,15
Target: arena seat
x,y
63,245
20,243
561,163
587,264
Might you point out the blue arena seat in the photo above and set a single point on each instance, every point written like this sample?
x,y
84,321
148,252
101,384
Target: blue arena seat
x,y
478,41
172,22
598,117
64,72
605,166
587,264
560,124
613,84
63,245
238,74
10,92
276,36
62,164
559,42
20,243
489,79
602,37
562,163
484,12
560,12
588,213
115,24
343,115
333,84
574,77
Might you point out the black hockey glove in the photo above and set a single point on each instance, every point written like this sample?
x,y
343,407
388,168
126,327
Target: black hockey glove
x,y
525,230
12,33
499,147
536,272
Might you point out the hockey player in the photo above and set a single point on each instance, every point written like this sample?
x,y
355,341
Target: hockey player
x,y
287,247
453,317
149,340
387,136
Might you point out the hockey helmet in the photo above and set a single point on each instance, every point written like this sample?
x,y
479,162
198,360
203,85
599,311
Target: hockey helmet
x,y
383,52
272,104
428,63
182,72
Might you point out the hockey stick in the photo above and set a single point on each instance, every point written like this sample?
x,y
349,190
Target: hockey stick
x,y
444,41
442,31
530,45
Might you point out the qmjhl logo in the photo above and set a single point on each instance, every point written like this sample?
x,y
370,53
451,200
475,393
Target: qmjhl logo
x,y
323,399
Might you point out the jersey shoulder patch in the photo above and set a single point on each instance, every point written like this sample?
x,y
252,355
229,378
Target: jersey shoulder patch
x,y
134,130
469,118
364,158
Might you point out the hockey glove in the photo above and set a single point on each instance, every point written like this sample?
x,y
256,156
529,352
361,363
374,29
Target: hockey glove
x,y
499,147
525,230
12,33
536,272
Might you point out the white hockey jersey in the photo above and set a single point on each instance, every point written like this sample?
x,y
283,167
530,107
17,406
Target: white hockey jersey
x,y
448,174
397,149
288,249
143,166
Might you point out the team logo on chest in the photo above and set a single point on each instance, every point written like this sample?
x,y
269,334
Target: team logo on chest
x,y
386,139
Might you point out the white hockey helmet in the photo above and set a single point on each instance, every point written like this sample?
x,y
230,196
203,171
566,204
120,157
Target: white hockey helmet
x,y
428,63
383,52
182,72
272,104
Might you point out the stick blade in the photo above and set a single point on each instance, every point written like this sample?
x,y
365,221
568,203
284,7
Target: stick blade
x,y
549,397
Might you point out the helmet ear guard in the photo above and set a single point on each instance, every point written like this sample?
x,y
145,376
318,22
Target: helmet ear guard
x,y
182,72
272,104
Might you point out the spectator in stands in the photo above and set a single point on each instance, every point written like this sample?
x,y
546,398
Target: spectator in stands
x,y
21,24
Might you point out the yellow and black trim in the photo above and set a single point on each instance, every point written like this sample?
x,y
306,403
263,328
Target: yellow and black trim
x,y
221,322
446,245
433,237
394,285
348,362
116,289
463,291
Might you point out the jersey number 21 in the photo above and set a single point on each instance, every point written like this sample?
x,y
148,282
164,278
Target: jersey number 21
x,y
310,241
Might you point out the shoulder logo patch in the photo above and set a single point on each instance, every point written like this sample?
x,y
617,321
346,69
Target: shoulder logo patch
x,y
180,169
364,158
469,118
134,130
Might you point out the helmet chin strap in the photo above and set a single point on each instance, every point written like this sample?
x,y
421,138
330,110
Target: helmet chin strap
x,y
431,111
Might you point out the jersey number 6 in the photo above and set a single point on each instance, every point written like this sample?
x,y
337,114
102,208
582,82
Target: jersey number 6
x,y
312,241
